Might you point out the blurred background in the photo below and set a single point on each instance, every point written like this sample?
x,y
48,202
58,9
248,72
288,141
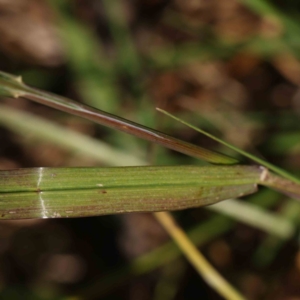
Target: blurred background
x,y
230,67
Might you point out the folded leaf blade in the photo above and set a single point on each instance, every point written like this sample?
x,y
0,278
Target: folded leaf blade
x,y
79,192
14,87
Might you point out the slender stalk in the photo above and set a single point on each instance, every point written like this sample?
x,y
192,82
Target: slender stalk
x,y
13,86
262,162
127,126
204,268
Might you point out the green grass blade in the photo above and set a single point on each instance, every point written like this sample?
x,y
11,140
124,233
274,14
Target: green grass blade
x,y
254,215
14,87
73,192
262,162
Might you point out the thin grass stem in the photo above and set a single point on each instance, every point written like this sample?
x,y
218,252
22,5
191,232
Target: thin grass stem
x,y
262,162
195,257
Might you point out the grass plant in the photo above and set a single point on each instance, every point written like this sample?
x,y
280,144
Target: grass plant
x,y
111,72
54,193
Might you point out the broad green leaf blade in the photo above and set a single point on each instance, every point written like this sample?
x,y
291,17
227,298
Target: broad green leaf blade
x,y
14,87
74,192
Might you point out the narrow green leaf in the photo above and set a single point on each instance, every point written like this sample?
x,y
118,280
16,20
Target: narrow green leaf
x,y
255,216
73,192
14,87
262,162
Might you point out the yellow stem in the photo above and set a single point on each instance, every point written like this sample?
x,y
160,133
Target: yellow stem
x,y
204,268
